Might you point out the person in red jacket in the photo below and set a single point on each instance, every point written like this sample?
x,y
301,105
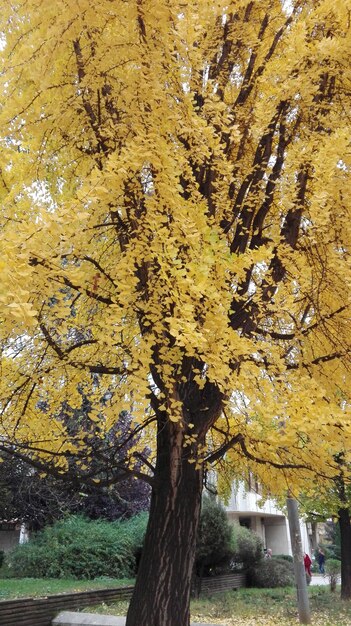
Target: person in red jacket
x,y
307,562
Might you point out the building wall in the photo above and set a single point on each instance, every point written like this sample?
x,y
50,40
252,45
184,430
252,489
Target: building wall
x,y
12,535
277,535
267,520
242,500
9,539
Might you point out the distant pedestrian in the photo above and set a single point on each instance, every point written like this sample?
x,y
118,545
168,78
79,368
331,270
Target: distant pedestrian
x,y
307,563
321,561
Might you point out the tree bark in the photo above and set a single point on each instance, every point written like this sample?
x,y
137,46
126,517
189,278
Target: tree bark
x,y
345,545
300,574
162,591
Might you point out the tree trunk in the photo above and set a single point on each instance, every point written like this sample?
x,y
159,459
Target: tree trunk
x,y
299,568
345,541
162,591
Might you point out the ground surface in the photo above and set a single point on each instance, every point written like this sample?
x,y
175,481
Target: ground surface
x,y
262,607
246,607
319,579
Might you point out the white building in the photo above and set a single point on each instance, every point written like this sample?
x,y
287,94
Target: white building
x,y
11,534
266,520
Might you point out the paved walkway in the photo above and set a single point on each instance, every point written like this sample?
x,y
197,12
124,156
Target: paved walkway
x,y
72,618
319,579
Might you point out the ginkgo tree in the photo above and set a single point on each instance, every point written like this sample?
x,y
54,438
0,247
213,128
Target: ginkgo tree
x,y
175,222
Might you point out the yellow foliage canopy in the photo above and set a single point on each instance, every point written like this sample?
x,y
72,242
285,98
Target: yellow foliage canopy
x,y
175,219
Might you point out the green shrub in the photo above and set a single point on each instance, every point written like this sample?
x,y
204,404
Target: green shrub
x,y
214,536
284,557
135,528
333,571
270,573
246,547
79,548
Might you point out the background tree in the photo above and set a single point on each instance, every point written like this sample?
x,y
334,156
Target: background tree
x,y
37,500
175,219
332,499
101,490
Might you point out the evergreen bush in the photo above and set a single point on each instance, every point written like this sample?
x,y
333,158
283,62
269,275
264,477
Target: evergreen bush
x,y
333,572
246,547
80,548
135,527
214,536
271,573
285,557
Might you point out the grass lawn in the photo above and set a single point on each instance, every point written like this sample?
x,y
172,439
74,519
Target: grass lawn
x,y
35,587
246,607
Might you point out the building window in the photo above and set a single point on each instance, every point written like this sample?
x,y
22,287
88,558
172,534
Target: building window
x,y
245,521
252,484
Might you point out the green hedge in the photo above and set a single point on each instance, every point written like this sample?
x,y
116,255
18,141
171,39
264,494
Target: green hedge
x,y
213,540
80,548
284,557
270,573
246,546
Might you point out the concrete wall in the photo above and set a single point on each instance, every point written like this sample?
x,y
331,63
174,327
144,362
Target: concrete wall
x,y
277,535
9,539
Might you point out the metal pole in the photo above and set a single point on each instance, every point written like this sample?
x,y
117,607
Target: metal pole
x,y
300,574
